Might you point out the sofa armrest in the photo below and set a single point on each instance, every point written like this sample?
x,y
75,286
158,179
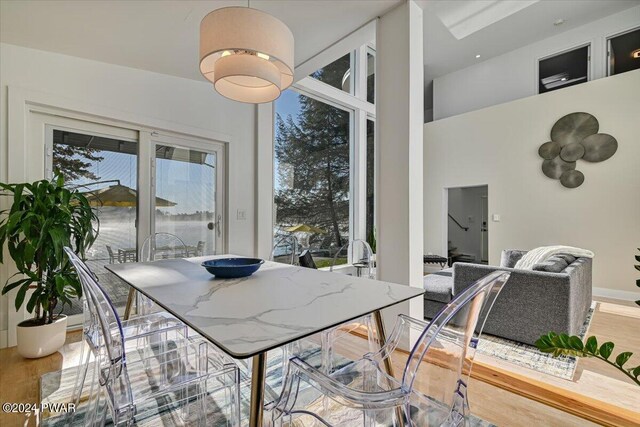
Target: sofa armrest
x,y
532,303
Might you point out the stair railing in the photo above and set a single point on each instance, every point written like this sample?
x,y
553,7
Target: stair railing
x,y
457,223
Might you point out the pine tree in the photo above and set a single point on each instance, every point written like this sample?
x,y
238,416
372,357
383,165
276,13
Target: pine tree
x,y
313,150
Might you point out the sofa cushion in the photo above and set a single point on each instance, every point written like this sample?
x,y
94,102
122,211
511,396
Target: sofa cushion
x,y
438,286
554,264
569,258
510,257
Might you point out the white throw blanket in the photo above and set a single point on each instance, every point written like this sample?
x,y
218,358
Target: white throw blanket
x,y
543,253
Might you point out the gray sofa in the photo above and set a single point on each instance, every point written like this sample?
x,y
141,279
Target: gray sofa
x,y
532,303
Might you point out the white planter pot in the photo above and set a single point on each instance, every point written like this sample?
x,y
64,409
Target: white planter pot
x,y
42,340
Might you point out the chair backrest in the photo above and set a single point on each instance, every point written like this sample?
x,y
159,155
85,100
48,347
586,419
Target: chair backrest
x,y
103,332
306,260
162,246
200,248
449,341
285,250
359,254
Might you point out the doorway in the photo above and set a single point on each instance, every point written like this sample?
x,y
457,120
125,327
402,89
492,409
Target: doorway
x,y
139,183
467,224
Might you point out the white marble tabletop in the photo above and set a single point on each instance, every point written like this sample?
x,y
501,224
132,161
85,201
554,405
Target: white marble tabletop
x,y
278,304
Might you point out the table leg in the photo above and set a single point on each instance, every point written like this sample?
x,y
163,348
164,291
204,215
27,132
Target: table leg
x,y
382,339
130,298
258,373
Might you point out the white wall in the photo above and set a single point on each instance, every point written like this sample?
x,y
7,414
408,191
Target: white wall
x,y
514,75
175,101
498,146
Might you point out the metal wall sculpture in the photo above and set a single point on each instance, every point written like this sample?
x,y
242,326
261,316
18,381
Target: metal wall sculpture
x,y
575,137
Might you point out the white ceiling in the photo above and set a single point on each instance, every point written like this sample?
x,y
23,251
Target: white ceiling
x,y
444,53
162,36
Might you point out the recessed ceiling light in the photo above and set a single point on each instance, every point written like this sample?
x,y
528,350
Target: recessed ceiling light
x,y
477,56
558,22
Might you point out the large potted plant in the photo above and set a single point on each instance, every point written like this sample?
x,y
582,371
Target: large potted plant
x,y
43,218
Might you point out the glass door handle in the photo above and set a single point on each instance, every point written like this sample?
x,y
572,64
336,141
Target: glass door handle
x,y
216,225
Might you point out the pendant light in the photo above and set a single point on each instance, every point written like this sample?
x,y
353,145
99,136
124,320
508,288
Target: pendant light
x,y
247,54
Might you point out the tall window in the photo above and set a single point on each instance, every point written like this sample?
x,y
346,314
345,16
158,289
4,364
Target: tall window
x,y
371,182
337,74
371,78
312,167
324,159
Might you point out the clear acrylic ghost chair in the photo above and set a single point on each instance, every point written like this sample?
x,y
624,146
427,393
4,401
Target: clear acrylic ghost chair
x,y
167,373
359,257
362,393
285,250
155,247
360,261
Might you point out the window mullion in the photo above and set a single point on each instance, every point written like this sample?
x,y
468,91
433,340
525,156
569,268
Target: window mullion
x,y
359,75
359,176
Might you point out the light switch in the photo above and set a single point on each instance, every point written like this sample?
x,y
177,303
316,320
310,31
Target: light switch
x,y
241,215
495,217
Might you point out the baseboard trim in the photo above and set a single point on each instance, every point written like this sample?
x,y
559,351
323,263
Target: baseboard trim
x,y
616,294
3,339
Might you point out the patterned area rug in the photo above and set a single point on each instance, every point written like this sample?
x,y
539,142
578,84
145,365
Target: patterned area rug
x,y
530,357
57,387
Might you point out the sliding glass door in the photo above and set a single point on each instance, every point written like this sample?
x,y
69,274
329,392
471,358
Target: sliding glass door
x,y
105,168
139,183
187,181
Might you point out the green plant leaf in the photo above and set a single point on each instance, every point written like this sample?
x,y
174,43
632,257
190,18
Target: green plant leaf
x,y
591,345
636,371
544,344
606,349
576,343
20,295
564,340
623,358
34,300
14,285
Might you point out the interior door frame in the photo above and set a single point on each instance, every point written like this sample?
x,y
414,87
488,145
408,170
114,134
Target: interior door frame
x,y
188,142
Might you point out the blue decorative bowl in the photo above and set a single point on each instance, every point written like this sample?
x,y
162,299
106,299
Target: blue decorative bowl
x,y
232,268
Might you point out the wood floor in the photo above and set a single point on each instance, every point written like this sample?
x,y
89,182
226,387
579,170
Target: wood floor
x,y
499,392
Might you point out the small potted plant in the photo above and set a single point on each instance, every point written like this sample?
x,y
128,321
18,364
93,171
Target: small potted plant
x,y
43,218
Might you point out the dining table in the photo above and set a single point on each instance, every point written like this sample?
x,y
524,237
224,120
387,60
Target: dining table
x,y
246,317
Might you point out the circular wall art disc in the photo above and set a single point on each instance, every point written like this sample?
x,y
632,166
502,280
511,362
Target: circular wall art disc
x,y
573,128
572,152
556,167
599,147
572,179
549,150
